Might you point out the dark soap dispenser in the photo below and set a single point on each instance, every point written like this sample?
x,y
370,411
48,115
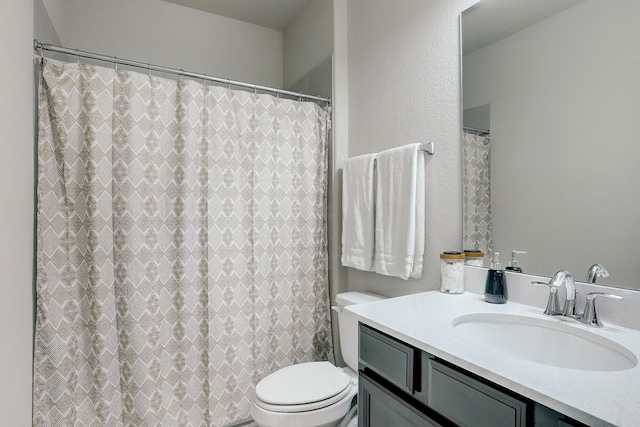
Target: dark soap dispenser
x,y
513,264
495,289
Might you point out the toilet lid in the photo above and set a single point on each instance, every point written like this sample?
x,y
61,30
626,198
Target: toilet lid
x,y
302,383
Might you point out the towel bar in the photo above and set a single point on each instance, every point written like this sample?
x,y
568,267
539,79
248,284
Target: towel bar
x,y
429,148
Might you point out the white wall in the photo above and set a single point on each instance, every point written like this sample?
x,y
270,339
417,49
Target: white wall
x,y
16,211
340,134
564,188
175,36
404,71
308,40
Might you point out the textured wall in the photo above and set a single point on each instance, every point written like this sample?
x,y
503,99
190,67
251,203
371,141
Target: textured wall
x,y
404,69
16,212
171,35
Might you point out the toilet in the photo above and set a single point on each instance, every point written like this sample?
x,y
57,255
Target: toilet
x,y
314,394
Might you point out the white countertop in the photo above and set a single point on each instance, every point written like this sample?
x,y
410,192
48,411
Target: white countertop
x,y
598,399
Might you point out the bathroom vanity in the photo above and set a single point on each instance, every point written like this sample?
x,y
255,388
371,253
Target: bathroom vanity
x,y
403,386
419,365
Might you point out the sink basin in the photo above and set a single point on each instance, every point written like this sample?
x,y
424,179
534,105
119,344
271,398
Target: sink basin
x,y
550,342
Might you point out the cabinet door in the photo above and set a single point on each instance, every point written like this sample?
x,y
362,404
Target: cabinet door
x,y
570,423
470,403
393,360
378,407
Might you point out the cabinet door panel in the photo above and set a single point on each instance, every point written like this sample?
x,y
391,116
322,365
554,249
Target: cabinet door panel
x,y
378,407
391,359
470,403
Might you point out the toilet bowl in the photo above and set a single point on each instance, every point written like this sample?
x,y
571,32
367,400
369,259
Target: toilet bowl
x,y
314,394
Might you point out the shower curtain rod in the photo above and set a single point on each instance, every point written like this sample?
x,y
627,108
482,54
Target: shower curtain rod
x,y
40,47
474,130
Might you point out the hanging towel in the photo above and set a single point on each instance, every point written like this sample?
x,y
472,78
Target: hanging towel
x,y
418,256
358,209
400,217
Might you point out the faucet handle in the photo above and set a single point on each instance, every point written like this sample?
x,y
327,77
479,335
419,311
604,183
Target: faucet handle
x,y
593,295
553,305
590,317
551,286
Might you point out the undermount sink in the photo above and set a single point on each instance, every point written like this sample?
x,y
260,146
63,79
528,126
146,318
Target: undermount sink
x,y
550,342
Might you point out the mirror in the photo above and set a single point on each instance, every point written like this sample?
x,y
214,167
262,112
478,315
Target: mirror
x,y
557,84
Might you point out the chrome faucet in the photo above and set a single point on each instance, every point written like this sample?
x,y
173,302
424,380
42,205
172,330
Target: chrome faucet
x,y
595,271
553,307
558,279
589,316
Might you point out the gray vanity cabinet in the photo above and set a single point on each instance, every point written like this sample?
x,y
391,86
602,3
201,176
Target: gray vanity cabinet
x,y
379,408
468,402
402,386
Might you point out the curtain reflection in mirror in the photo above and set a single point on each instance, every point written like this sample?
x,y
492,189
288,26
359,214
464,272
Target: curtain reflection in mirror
x,y
476,210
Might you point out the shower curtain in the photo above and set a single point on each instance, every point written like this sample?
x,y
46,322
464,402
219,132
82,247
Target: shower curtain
x,y
476,192
181,247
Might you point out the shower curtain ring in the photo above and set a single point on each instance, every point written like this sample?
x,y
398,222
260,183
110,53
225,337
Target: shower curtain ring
x,y
149,68
204,79
77,56
115,61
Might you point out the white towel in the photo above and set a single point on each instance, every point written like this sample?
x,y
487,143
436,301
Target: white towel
x,y
400,216
358,209
418,256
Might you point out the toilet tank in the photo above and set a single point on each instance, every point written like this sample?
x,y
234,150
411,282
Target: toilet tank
x,y
348,324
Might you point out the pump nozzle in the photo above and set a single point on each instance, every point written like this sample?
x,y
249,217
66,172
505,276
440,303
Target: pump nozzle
x,y
513,263
495,262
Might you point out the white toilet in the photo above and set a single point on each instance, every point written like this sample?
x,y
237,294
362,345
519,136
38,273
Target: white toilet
x,y
314,394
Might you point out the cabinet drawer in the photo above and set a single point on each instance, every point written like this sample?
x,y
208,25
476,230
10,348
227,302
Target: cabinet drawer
x,y
470,403
570,423
387,357
378,407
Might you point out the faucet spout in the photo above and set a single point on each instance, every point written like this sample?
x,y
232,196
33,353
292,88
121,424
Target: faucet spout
x,y
595,271
557,280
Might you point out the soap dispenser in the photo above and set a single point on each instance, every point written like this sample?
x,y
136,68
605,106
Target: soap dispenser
x,y
513,264
495,288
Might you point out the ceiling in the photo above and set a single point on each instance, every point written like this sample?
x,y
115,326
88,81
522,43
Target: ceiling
x,y
491,20
275,14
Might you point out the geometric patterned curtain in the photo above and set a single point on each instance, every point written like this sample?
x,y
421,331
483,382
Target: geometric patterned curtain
x,y
476,193
181,247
